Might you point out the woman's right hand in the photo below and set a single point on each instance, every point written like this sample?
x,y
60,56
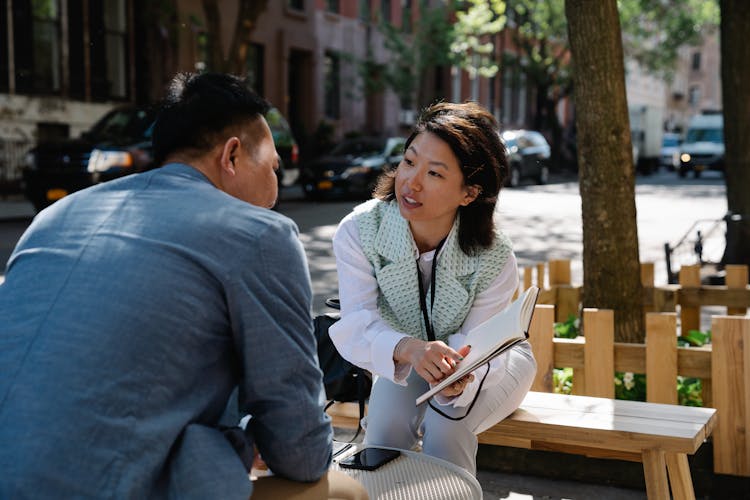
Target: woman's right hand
x,y
433,361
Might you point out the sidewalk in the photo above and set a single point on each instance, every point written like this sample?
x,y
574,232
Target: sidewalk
x,y
15,207
516,485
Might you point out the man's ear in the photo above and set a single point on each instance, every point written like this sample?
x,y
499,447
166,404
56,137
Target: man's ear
x,y
228,153
472,192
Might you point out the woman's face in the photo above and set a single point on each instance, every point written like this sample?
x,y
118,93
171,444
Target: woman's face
x,y
429,182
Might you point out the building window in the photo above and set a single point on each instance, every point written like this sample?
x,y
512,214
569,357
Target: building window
x,y
385,11
332,6
254,65
4,45
108,34
332,68
521,93
694,96
696,64
116,36
364,10
296,4
406,10
36,29
507,103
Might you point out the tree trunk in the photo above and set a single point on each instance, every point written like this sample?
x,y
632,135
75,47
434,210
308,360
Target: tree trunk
x,y
735,86
607,179
247,14
213,26
249,11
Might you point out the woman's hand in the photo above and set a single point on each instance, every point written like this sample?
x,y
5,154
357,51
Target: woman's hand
x,y
457,387
433,361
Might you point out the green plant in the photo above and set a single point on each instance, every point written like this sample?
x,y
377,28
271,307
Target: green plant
x,y
630,386
562,380
695,338
689,391
568,329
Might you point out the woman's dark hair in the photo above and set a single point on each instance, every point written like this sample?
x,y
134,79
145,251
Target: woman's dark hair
x,y
198,108
472,134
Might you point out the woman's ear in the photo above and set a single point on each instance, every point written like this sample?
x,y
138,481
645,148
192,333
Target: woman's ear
x,y
472,192
228,153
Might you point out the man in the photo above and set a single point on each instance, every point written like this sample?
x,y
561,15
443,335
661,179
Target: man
x,y
131,310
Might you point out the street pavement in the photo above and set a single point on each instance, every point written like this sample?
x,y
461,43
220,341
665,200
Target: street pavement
x,y
15,207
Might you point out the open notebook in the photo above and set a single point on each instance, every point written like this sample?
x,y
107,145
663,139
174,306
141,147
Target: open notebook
x,y
491,338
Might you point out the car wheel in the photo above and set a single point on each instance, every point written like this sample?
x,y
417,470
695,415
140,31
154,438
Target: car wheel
x,y
514,180
311,194
543,177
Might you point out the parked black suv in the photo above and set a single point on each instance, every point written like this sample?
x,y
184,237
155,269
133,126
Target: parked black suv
x,y
120,144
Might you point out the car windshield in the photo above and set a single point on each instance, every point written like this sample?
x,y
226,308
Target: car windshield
x,y
705,135
509,142
282,135
123,125
359,147
670,142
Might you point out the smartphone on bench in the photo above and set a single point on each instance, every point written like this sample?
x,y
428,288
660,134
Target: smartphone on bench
x,y
369,458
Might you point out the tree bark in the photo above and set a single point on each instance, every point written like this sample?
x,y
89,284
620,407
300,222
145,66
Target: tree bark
x,y
247,15
611,264
735,86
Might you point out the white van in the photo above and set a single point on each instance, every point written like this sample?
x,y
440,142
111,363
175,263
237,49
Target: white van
x,y
703,148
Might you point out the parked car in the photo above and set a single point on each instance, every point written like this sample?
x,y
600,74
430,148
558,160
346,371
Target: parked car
x,y
119,144
703,148
670,150
528,156
286,146
352,167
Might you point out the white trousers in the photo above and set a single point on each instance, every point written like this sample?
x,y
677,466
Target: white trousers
x,y
394,420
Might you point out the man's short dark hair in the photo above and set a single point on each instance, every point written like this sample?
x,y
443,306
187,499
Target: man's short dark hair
x,y
199,107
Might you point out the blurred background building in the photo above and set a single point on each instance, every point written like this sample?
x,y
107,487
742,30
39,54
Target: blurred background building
x,y
65,63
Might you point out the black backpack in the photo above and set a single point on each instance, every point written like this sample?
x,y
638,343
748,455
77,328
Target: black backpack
x,y
343,381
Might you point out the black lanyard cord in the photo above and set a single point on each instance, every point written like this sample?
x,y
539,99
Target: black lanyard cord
x,y
423,295
431,331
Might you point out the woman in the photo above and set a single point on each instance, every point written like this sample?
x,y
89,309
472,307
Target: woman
x,y
421,265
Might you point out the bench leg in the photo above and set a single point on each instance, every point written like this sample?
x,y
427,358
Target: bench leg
x,y
679,476
655,471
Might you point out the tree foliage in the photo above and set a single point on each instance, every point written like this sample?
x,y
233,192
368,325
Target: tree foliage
x,y
410,56
437,41
471,47
542,56
654,30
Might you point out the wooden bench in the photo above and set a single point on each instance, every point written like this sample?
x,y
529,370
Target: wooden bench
x,y
658,435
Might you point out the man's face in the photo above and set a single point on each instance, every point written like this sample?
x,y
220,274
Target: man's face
x,y
255,163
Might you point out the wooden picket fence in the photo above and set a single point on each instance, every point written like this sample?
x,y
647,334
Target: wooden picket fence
x,y
723,366
689,294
